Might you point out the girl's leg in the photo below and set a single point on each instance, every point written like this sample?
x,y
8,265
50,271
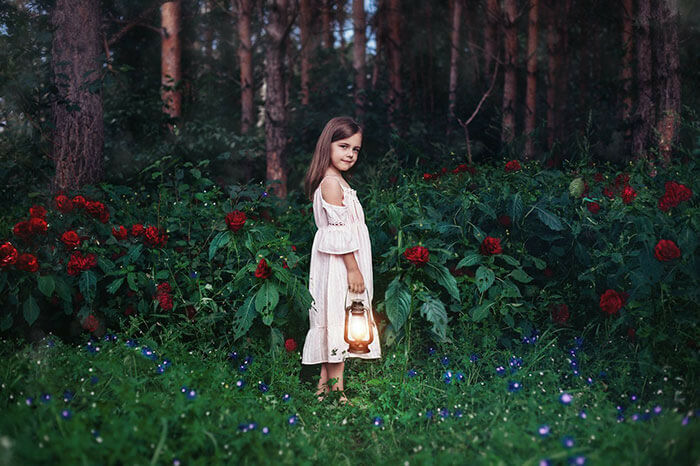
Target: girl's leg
x,y
335,371
323,382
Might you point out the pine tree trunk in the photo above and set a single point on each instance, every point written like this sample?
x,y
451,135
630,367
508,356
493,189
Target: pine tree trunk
x,y
562,80
553,69
531,90
491,46
510,61
78,134
245,56
275,111
627,62
644,118
358,56
454,57
380,34
667,77
326,19
304,36
171,51
394,49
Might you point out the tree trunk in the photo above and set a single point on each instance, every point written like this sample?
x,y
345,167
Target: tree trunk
x,y
562,80
531,90
471,26
553,70
326,19
668,77
627,62
454,57
304,37
493,19
275,111
380,34
245,56
358,56
78,134
170,70
509,80
644,118
394,49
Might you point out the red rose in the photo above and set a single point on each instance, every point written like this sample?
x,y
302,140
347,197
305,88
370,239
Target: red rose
x,y
284,264
78,262
120,234
235,220
151,236
611,301
98,210
91,323
37,211
290,345
63,203
504,220
70,239
609,193
560,313
79,202
137,230
164,288
22,230
666,202
598,177
37,225
27,262
165,301
8,255
417,255
512,166
666,250
593,207
490,246
294,248
628,194
622,180
443,170
263,270
427,177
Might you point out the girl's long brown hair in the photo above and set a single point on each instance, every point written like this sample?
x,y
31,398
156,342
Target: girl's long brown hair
x,y
337,128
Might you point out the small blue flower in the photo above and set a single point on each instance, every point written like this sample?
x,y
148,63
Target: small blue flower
x,y
68,395
293,419
264,194
543,430
265,430
183,389
94,379
286,397
95,433
685,421
252,425
262,386
458,413
474,357
445,360
447,377
412,373
431,351
460,376
444,413
131,343
633,397
646,416
565,398
578,341
589,380
657,409
567,441
635,417
166,363
500,370
240,383
577,460
377,421
29,401
620,408
620,418
90,347
66,414
243,427
176,462
429,414
233,355
603,374
194,274
160,369
515,362
248,360
514,386
582,414
545,462
45,397
191,394
50,343
242,368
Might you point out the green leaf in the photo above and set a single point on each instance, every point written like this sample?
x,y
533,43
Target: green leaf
x,y
481,311
133,254
440,274
484,278
267,298
485,208
434,311
397,302
6,321
114,286
478,234
46,284
243,319
520,275
471,259
539,263
162,275
88,285
106,265
276,338
549,219
510,290
516,207
218,242
509,259
30,310
131,280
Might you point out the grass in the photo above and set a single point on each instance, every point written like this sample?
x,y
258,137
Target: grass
x,y
124,412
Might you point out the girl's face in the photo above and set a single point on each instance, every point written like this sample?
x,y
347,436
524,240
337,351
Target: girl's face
x,y
344,152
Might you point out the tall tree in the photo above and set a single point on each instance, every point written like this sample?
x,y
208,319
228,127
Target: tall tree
x,y
557,67
510,11
667,76
358,55
627,63
171,50
305,19
327,22
245,57
277,29
454,57
645,115
78,134
493,20
394,53
531,90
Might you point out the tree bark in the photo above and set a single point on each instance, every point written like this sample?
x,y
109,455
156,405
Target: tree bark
x,y
531,90
78,134
358,56
170,70
275,111
627,62
491,47
304,36
454,57
394,49
667,77
245,57
644,118
509,79
326,20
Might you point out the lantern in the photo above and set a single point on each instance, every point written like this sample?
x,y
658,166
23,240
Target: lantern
x,y
358,326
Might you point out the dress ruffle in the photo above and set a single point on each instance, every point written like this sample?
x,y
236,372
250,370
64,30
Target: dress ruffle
x,y
337,239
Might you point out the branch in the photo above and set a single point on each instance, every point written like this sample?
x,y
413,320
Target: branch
x,y
483,98
138,21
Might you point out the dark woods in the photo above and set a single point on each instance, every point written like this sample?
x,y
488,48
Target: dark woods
x,y
249,84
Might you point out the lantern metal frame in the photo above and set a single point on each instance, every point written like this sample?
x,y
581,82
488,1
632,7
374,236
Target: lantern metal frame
x,y
362,346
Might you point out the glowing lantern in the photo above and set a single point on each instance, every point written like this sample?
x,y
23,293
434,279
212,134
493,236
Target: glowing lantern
x,y
358,326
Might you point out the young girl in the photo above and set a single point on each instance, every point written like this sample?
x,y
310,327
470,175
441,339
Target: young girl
x,y
341,255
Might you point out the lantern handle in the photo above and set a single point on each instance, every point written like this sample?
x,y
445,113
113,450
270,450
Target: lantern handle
x,y
369,304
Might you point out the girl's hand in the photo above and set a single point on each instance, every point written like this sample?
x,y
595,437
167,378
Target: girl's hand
x,y
356,283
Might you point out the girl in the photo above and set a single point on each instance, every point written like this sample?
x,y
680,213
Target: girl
x,y
341,255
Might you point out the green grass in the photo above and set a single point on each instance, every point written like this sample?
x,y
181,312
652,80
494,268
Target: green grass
x,y
130,414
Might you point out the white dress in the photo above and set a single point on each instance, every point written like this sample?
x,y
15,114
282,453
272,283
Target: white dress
x,y
341,229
